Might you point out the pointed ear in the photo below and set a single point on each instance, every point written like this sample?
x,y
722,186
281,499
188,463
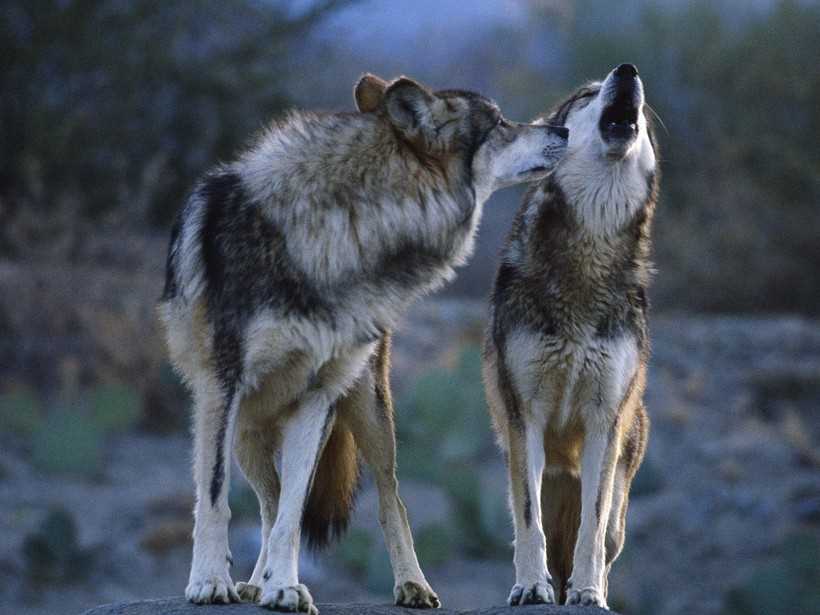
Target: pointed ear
x,y
369,92
410,107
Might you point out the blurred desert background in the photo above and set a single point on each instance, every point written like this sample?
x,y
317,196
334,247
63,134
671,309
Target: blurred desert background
x,y
110,109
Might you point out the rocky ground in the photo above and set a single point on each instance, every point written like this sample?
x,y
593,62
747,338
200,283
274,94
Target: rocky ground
x,y
178,606
725,514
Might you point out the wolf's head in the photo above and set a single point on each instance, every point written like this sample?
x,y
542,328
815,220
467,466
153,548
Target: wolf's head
x,y
606,119
456,123
608,173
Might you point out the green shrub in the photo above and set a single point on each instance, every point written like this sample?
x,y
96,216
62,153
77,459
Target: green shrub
x,y
379,577
789,585
114,407
243,501
480,518
68,442
71,438
52,554
354,551
443,430
442,419
21,413
435,544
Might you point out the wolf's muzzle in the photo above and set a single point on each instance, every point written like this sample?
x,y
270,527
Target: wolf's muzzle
x,y
559,139
558,131
619,117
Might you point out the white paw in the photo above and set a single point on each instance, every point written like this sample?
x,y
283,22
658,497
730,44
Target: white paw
x,y
248,592
211,589
589,596
416,595
295,598
537,593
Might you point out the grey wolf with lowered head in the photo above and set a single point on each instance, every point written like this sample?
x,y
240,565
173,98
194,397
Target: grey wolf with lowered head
x,y
286,271
566,348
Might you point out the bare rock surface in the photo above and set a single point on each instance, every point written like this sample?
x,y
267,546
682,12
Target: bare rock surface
x,y
178,606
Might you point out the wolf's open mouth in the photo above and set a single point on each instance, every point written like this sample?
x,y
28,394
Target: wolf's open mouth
x,y
538,169
619,120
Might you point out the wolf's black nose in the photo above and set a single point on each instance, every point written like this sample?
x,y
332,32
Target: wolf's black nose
x,y
626,70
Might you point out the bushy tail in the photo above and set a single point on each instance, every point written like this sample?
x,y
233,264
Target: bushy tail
x,y
561,514
331,499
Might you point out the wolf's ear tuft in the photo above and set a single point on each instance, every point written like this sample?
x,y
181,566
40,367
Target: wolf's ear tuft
x,y
410,107
369,92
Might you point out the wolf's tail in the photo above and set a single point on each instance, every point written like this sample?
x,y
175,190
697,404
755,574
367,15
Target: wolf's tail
x,y
330,503
561,514
331,499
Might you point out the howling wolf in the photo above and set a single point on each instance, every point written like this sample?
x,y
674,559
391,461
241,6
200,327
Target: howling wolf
x,y
286,270
566,349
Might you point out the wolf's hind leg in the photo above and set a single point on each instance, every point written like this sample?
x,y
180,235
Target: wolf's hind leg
x,y
304,435
214,420
617,515
614,542
369,411
255,449
632,452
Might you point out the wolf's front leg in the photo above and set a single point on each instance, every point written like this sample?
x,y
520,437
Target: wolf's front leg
x,y
526,467
371,418
587,585
303,438
214,421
